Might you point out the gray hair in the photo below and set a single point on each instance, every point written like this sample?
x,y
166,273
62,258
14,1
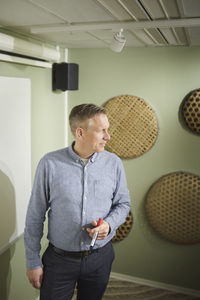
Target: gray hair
x,y
83,112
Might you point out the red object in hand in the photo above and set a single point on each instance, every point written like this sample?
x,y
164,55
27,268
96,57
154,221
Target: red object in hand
x,y
96,234
100,221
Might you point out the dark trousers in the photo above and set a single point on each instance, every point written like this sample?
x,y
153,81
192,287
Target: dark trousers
x,y
89,274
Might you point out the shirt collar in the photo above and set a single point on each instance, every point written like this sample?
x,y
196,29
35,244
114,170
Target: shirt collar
x,y
76,157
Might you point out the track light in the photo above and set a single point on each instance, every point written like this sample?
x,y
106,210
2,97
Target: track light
x,y
118,42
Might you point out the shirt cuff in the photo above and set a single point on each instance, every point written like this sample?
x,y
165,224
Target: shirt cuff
x,y
111,224
33,264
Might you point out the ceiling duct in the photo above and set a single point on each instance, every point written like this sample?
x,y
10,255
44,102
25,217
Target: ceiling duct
x,y
26,49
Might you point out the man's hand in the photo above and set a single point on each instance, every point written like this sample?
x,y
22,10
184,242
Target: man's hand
x,y
35,277
103,230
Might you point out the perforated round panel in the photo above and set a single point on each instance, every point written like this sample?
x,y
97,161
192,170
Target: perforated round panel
x,y
123,229
173,207
133,126
191,111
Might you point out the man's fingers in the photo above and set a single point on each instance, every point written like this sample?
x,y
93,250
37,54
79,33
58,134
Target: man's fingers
x,y
94,223
35,277
36,284
102,230
102,235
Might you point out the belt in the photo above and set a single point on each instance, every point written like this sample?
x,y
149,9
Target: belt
x,y
77,254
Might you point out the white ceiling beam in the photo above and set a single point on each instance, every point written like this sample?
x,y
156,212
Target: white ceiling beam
x,y
192,22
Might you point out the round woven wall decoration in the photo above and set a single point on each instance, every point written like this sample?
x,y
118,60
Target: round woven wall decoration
x,y
191,110
173,207
133,126
124,229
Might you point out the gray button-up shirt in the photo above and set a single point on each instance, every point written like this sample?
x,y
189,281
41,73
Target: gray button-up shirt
x,y
74,194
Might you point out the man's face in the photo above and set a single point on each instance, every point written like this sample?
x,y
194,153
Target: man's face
x,y
96,135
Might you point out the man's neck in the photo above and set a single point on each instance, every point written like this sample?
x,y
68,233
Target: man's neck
x,y
80,152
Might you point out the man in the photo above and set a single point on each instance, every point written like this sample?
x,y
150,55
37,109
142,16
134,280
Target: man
x,y
77,185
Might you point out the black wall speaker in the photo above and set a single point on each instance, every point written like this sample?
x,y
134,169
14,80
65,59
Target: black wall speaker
x,y
65,76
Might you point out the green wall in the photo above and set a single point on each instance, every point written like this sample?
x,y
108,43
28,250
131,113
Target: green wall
x,y
162,77
47,134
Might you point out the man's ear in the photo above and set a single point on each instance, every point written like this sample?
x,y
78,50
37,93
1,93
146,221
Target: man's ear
x,y
79,132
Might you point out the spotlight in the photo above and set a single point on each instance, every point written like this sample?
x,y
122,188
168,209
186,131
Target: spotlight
x,y
118,42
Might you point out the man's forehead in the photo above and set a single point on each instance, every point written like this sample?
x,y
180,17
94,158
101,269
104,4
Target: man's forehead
x,y
99,120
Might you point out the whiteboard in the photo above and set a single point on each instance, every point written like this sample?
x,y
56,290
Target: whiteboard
x,y
15,157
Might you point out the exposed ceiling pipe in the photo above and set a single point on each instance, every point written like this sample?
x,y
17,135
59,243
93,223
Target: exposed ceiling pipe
x,y
192,22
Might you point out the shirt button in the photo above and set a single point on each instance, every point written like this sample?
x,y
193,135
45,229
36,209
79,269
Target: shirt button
x,y
82,243
83,213
85,197
77,160
83,228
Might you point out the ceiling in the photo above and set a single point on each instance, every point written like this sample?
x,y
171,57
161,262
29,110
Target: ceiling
x,y
92,23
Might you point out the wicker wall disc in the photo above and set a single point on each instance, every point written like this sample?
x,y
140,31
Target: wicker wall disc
x,y
124,229
173,207
191,111
133,126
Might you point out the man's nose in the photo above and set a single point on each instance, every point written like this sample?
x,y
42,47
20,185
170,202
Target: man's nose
x,y
106,136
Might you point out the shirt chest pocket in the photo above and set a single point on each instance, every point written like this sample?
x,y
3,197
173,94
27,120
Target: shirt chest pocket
x,y
103,189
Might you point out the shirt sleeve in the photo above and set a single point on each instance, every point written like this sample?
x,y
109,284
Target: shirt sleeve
x,y
35,216
121,200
